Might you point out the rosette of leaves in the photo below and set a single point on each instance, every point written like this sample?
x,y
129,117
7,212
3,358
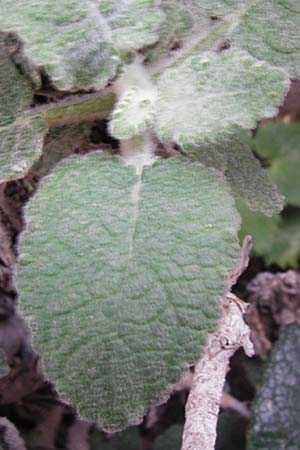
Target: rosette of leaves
x,y
276,411
124,259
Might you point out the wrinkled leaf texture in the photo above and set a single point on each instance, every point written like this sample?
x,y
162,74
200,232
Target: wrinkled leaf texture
x,y
132,285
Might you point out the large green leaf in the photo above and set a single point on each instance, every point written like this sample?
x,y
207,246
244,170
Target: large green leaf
x,y
248,180
121,276
206,97
279,144
21,134
276,418
78,42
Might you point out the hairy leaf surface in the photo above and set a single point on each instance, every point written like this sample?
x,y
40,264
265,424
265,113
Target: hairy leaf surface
x,y
276,418
248,180
267,30
279,144
79,42
208,96
21,134
134,24
121,276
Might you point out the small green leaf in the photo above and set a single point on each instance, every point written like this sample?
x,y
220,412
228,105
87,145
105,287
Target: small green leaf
x,y
21,134
208,96
276,418
276,239
279,144
286,247
263,230
121,276
248,180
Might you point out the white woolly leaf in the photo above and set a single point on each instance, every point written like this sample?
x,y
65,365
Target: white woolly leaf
x,y
208,96
80,42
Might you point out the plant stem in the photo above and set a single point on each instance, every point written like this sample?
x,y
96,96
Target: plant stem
x,y
203,404
202,407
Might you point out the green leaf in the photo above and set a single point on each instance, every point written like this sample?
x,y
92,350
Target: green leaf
x,y
279,144
21,134
121,276
208,96
276,418
133,24
270,31
276,239
134,111
248,180
263,230
78,42
285,250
